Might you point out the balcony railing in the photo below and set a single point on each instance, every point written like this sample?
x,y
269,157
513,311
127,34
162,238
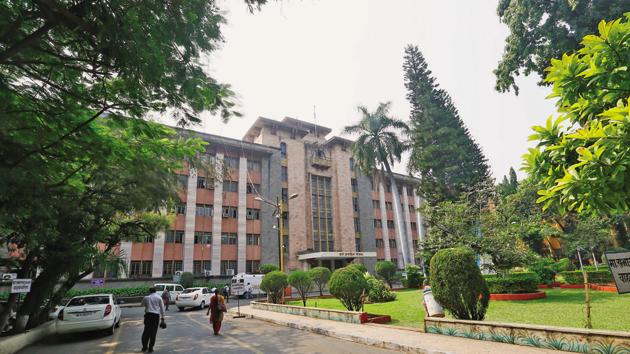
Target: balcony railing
x,y
321,162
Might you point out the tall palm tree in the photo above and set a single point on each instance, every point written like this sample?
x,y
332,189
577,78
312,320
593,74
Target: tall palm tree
x,y
376,149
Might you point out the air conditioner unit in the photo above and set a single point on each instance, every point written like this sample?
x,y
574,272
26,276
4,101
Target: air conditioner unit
x,y
178,273
229,272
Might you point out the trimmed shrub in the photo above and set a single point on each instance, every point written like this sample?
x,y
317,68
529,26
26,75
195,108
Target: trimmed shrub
x,y
187,279
360,266
378,291
209,285
514,283
302,282
274,284
458,285
348,285
563,265
414,276
321,276
267,268
595,277
386,270
122,292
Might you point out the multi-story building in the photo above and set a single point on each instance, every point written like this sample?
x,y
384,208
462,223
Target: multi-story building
x,y
335,216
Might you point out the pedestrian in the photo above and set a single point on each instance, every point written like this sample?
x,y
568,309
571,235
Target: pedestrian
x,y
216,309
166,297
226,293
153,312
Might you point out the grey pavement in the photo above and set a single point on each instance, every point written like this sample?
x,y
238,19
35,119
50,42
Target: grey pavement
x,y
190,332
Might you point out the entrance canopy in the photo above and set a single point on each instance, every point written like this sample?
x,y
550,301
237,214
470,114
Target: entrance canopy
x,y
335,255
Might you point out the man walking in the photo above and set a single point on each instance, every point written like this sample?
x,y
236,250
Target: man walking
x,y
153,311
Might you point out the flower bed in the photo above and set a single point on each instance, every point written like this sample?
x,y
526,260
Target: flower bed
x,y
518,297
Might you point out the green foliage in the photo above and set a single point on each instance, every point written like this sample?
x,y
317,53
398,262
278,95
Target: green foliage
x,y
513,283
302,282
267,267
360,266
386,270
542,30
458,285
582,164
590,234
119,292
187,279
321,276
508,187
595,277
444,154
273,284
545,268
348,285
210,284
414,276
378,291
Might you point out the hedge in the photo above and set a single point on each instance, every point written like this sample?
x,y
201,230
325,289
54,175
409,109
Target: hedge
x,y
514,283
135,291
596,277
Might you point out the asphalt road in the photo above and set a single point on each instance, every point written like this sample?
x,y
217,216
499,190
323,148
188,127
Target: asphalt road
x,y
190,332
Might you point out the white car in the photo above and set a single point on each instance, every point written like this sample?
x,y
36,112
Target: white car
x,y
173,289
89,313
193,297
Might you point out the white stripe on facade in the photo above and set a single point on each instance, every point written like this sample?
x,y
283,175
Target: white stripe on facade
x,y
381,197
189,230
419,219
158,254
242,215
217,216
125,252
407,220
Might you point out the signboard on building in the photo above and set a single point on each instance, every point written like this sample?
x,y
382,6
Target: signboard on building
x,y
237,288
98,282
177,276
20,286
619,263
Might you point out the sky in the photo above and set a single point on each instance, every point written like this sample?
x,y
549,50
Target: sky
x,y
317,60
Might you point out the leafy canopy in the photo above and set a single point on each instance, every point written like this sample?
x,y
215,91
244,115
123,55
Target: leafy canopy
x,y
320,276
302,282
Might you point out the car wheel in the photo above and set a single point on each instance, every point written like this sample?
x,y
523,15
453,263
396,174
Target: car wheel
x,y
118,323
180,308
202,305
111,330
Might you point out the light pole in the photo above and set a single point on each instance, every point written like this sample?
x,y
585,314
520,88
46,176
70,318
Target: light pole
x,y
279,210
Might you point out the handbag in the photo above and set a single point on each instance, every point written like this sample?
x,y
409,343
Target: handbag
x,y
222,307
162,324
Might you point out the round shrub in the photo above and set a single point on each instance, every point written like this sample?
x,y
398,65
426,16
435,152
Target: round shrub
x,y
321,276
458,285
360,266
274,284
378,291
267,268
302,282
187,279
349,286
386,270
414,276
514,283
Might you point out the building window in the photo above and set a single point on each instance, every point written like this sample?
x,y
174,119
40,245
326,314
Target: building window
x,y
351,163
252,267
206,183
390,224
204,210
378,224
284,174
253,165
274,130
140,268
204,238
230,212
392,243
321,198
283,150
253,239
380,243
229,239
182,181
174,236
180,208
200,267
355,204
354,184
389,206
148,239
376,204
253,188
225,265
104,271
413,225
170,267
285,244
357,225
357,244
230,186
231,162
252,214
388,187
412,209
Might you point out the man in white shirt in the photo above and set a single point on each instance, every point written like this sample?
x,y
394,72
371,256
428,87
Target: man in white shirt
x,y
153,311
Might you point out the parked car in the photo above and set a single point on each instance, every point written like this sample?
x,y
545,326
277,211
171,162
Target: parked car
x,y
89,313
193,297
173,289
54,312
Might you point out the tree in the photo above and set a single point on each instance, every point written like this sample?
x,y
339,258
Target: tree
x,y
302,282
274,284
386,270
458,285
541,30
582,165
590,234
443,153
267,267
414,276
187,279
376,149
508,187
320,276
348,285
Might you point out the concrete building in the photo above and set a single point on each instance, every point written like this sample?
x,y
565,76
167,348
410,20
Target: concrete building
x,y
338,216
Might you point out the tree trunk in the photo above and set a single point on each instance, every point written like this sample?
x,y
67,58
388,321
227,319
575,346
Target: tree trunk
x,y
398,219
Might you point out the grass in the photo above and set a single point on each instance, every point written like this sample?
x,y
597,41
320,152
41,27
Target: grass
x,y
562,307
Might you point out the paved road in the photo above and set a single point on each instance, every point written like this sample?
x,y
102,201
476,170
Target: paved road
x,y
190,332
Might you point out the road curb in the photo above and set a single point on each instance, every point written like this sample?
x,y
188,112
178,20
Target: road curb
x,y
15,343
352,338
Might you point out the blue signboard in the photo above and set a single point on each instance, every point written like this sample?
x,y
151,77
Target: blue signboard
x,y
98,282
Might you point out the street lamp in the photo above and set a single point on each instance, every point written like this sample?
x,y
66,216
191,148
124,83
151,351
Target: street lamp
x,y
279,210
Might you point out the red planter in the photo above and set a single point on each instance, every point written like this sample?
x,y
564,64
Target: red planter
x,y
518,297
572,286
604,287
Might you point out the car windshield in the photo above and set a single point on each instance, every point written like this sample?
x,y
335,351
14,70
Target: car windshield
x,y
90,300
160,287
188,291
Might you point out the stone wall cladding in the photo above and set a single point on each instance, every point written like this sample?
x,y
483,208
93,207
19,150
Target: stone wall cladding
x,y
366,218
343,218
324,314
270,188
217,219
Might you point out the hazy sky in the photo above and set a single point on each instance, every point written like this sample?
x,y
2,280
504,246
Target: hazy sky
x,y
336,55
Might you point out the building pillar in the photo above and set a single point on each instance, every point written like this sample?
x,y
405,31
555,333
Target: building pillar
x,y
125,252
189,230
419,218
158,254
242,215
407,219
217,217
381,197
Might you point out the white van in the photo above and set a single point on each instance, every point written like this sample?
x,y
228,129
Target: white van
x,y
173,289
251,284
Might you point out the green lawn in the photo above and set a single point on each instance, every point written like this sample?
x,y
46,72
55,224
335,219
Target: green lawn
x,y
560,308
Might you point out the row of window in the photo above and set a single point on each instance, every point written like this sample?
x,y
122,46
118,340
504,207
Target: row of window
x,y
388,188
380,243
390,224
145,268
177,236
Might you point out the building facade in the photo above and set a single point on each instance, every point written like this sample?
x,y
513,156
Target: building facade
x,y
336,215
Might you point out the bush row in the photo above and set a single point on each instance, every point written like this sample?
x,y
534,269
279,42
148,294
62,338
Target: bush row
x,y
135,291
514,283
597,277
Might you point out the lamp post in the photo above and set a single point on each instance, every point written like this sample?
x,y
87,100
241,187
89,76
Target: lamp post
x,y
279,210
